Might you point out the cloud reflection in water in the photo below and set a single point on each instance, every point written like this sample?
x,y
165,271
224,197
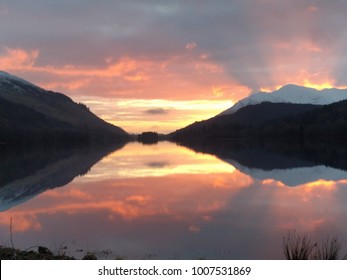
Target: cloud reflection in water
x,y
194,206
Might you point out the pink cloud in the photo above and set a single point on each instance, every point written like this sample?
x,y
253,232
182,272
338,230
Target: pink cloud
x,y
18,59
178,77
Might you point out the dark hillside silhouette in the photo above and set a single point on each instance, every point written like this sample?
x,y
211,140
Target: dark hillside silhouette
x,y
272,120
29,114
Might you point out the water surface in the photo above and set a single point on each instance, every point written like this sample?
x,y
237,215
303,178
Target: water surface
x,y
169,202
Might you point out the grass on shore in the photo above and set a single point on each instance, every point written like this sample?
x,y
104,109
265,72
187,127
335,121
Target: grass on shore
x,y
301,247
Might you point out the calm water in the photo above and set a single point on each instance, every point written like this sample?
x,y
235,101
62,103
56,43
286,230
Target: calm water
x,y
169,202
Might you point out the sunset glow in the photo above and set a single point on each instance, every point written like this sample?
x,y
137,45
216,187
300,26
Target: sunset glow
x,y
172,57
153,114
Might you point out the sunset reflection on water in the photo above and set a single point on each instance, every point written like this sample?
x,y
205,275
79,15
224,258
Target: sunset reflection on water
x,y
165,201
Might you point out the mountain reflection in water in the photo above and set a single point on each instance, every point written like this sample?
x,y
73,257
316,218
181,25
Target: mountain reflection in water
x,y
27,172
291,162
167,201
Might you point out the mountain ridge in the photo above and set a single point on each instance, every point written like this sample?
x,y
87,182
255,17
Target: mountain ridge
x,y
270,121
30,113
291,93
291,111
247,118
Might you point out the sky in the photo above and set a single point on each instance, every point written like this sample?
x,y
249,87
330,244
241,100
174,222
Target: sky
x,y
161,65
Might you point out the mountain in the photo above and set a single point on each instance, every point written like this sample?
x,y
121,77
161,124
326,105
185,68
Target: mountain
x,y
291,94
29,113
246,122
291,111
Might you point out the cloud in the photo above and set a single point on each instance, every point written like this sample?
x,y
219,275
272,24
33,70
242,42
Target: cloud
x,y
191,45
174,50
157,164
157,111
241,37
129,77
17,59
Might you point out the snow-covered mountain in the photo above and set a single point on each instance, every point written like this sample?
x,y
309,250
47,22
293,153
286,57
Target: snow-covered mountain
x,y
8,79
291,94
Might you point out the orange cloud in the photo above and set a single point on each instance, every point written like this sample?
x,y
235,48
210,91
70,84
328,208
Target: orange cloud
x,y
21,222
168,77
